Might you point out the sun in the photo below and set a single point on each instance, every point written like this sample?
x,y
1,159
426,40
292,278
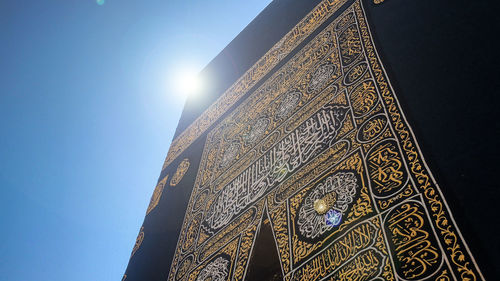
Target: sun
x,y
188,83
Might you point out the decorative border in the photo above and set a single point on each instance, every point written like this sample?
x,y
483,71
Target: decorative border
x,y
450,235
265,64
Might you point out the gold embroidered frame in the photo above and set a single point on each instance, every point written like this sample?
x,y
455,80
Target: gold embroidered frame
x,y
326,123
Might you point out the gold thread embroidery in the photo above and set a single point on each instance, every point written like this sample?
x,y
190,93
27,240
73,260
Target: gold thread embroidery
x,y
155,198
138,241
180,172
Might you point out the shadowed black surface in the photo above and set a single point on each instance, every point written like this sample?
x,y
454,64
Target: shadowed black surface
x,y
264,263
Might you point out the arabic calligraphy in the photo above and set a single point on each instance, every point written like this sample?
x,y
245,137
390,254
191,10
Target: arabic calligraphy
x,y
415,248
155,198
314,135
343,185
215,271
180,172
386,168
348,246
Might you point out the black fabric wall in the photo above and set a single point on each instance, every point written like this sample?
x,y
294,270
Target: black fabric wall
x,y
441,58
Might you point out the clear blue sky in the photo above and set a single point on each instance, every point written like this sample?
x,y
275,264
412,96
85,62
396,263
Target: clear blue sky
x,y
86,117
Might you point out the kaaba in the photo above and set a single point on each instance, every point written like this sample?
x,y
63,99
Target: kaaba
x,y
337,140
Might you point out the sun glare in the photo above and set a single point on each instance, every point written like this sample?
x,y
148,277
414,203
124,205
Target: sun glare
x,y
188,83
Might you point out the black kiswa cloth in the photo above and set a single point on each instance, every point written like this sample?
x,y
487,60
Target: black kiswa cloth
x,y
439,58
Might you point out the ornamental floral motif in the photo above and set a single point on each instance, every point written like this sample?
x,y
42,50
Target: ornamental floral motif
x,y
312,222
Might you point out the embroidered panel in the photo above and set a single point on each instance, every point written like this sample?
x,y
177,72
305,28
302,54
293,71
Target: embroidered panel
x,y
322,150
